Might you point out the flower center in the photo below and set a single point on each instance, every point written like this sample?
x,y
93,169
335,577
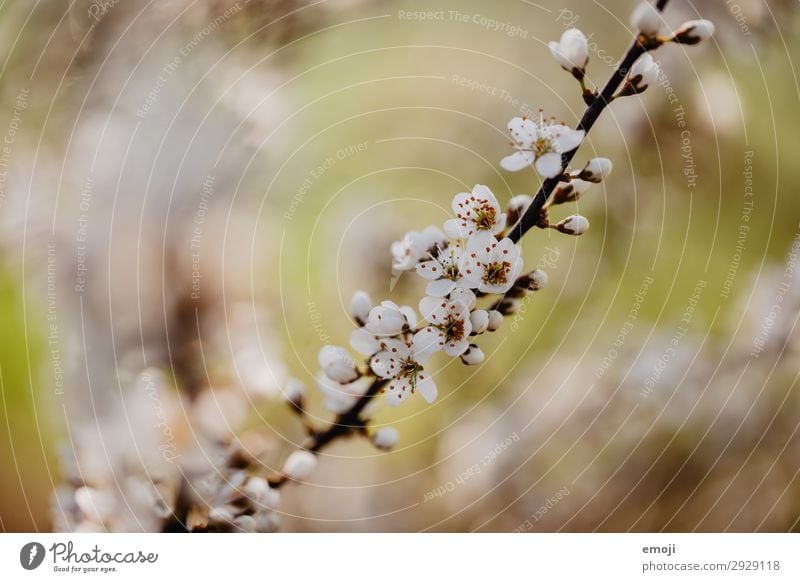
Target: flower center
x,y
485,216
496,273
453,329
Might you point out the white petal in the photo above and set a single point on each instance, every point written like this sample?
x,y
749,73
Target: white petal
x,y
427,387
549,165
364,342
454,229
385,365
517,161
454,349
523,132
428,306
567,139
430,270
397,391
440,288
427,342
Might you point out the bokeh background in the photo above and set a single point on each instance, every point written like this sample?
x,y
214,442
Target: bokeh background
x,y
195,189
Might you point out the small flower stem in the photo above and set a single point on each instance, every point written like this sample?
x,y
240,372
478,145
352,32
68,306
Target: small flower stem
x,y
531,216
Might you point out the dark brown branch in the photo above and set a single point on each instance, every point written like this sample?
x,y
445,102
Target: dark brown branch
x,y
639,46
350,421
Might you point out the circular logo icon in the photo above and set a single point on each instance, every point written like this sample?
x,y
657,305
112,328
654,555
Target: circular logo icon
x,y
31,555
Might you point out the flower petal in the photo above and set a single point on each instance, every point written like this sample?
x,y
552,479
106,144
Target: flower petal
x,y
427,387
440,288
397,391
549,165
517,161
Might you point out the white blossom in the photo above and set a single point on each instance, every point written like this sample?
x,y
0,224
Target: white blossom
x,y
646,19
572,51
299,465
443,271
477,214
574,225
385,438
245,523
337,364
414,247
450,326
540,144
492,268
402,365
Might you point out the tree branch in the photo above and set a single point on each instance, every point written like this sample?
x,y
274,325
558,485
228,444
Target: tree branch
x,y
639,46
350,421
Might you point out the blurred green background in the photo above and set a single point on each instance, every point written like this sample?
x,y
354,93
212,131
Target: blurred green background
x,y
356,123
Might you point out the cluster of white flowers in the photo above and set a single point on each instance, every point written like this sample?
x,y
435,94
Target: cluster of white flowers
x,y
471,256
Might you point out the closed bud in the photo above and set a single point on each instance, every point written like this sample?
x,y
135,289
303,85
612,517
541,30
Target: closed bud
x,y
299,465
597,170
693,32
509,305
267,521
479,319
516,208
473,356
537,280
295,392
385,438
245,523
338,365
571,51
643,73
646,19
570,191
360,306
575,225
220,515
495,320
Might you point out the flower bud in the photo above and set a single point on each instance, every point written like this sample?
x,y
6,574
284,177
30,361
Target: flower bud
x,y
570,191
536,280
495,320
256,488
693,32
643,73
385,438
516,208
245,523
572,51
337,364
267,521
479,319
597,170
646,19
299,465
295,392
575,225
473,356
360,306
220,515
